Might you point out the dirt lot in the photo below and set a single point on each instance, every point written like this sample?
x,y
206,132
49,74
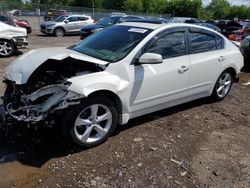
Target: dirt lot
x,y
198,144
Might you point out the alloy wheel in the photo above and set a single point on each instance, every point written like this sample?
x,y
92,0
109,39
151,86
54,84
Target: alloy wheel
x,y
6,48
224,84
93,123
59,32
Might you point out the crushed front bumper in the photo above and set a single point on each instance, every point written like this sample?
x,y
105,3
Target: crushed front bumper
x,y
20,42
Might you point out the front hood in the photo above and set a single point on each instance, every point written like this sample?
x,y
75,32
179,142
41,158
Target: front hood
x,y
8,32
21,69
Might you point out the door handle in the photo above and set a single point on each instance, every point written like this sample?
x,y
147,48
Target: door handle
x,y
221,59
183,69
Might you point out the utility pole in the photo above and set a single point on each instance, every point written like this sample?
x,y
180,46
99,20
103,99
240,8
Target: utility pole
x,y
1,9
93,9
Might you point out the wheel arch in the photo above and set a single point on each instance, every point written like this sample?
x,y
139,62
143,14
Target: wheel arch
x,y
232,70
59,27
214,95
9,40
14,45
110,95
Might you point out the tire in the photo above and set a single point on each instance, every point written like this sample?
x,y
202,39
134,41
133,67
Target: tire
x,y
223,85
90,123
59,32
7,48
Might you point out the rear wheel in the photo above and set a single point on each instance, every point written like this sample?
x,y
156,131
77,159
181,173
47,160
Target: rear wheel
x,y
91,123
223,85
59,32
7,48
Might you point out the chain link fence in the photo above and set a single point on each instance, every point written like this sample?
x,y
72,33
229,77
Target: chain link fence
x,y
35,13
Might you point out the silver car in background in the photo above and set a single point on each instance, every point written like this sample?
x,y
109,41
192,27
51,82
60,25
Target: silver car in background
x,y
66,25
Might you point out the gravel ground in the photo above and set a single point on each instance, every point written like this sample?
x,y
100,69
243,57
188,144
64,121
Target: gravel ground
x,y
198,144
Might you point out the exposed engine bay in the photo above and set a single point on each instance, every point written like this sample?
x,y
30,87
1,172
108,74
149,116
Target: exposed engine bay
x,y
46,90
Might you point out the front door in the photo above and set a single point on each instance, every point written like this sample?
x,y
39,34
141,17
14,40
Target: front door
x,y
162,84
71,25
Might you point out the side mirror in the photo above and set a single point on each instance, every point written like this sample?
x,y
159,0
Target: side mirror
x,y
66,21
150,58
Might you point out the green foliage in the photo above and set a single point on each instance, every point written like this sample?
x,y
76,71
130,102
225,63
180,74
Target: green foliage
x,y
113,4
154,6
133,5
219,9
184,8
82,3
241,12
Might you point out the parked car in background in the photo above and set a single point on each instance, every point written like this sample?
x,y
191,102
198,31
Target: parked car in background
x,y
24,24
52,14
66,25
106,22
16,12
11,38
122,72
240,34
231,27
245,50
150,20
16,22
208,25
128,18
221,23
183,20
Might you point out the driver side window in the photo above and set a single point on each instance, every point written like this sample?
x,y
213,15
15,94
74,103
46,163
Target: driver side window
x,y
169,45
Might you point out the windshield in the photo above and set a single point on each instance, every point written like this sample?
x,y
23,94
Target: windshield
x,y
60,18
112,44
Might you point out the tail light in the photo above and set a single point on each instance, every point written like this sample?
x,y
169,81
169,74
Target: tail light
x,y
231,37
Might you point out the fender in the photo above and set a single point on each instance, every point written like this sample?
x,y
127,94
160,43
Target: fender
x,y
87,84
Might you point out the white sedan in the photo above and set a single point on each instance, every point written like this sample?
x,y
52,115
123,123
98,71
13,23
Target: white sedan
x,y
120,73
11,38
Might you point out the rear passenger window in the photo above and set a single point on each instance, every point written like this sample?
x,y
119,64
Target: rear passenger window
x,y
82,18
169,45
219,43
202,42
72,19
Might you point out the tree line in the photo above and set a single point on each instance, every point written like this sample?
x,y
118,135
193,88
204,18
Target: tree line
x,y
217,9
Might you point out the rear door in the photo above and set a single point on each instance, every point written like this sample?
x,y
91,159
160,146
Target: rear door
x,y
207,55
82,21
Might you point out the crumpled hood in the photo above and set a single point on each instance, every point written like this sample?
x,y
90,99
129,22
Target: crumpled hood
x,y
8,32
21,69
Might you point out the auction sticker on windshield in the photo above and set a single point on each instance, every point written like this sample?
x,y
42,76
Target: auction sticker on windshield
x,y
137,30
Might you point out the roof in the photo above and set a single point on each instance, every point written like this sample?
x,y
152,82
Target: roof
x,y
154,26
143,25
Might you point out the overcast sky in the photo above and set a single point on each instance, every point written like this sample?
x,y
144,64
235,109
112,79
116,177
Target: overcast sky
x,y
233,2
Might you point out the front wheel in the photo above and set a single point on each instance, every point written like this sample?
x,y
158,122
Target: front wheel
x,y
59,32
223,85
91,123
7,48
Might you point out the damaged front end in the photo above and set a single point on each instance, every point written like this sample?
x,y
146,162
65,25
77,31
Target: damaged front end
x,y
45,94
36,106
